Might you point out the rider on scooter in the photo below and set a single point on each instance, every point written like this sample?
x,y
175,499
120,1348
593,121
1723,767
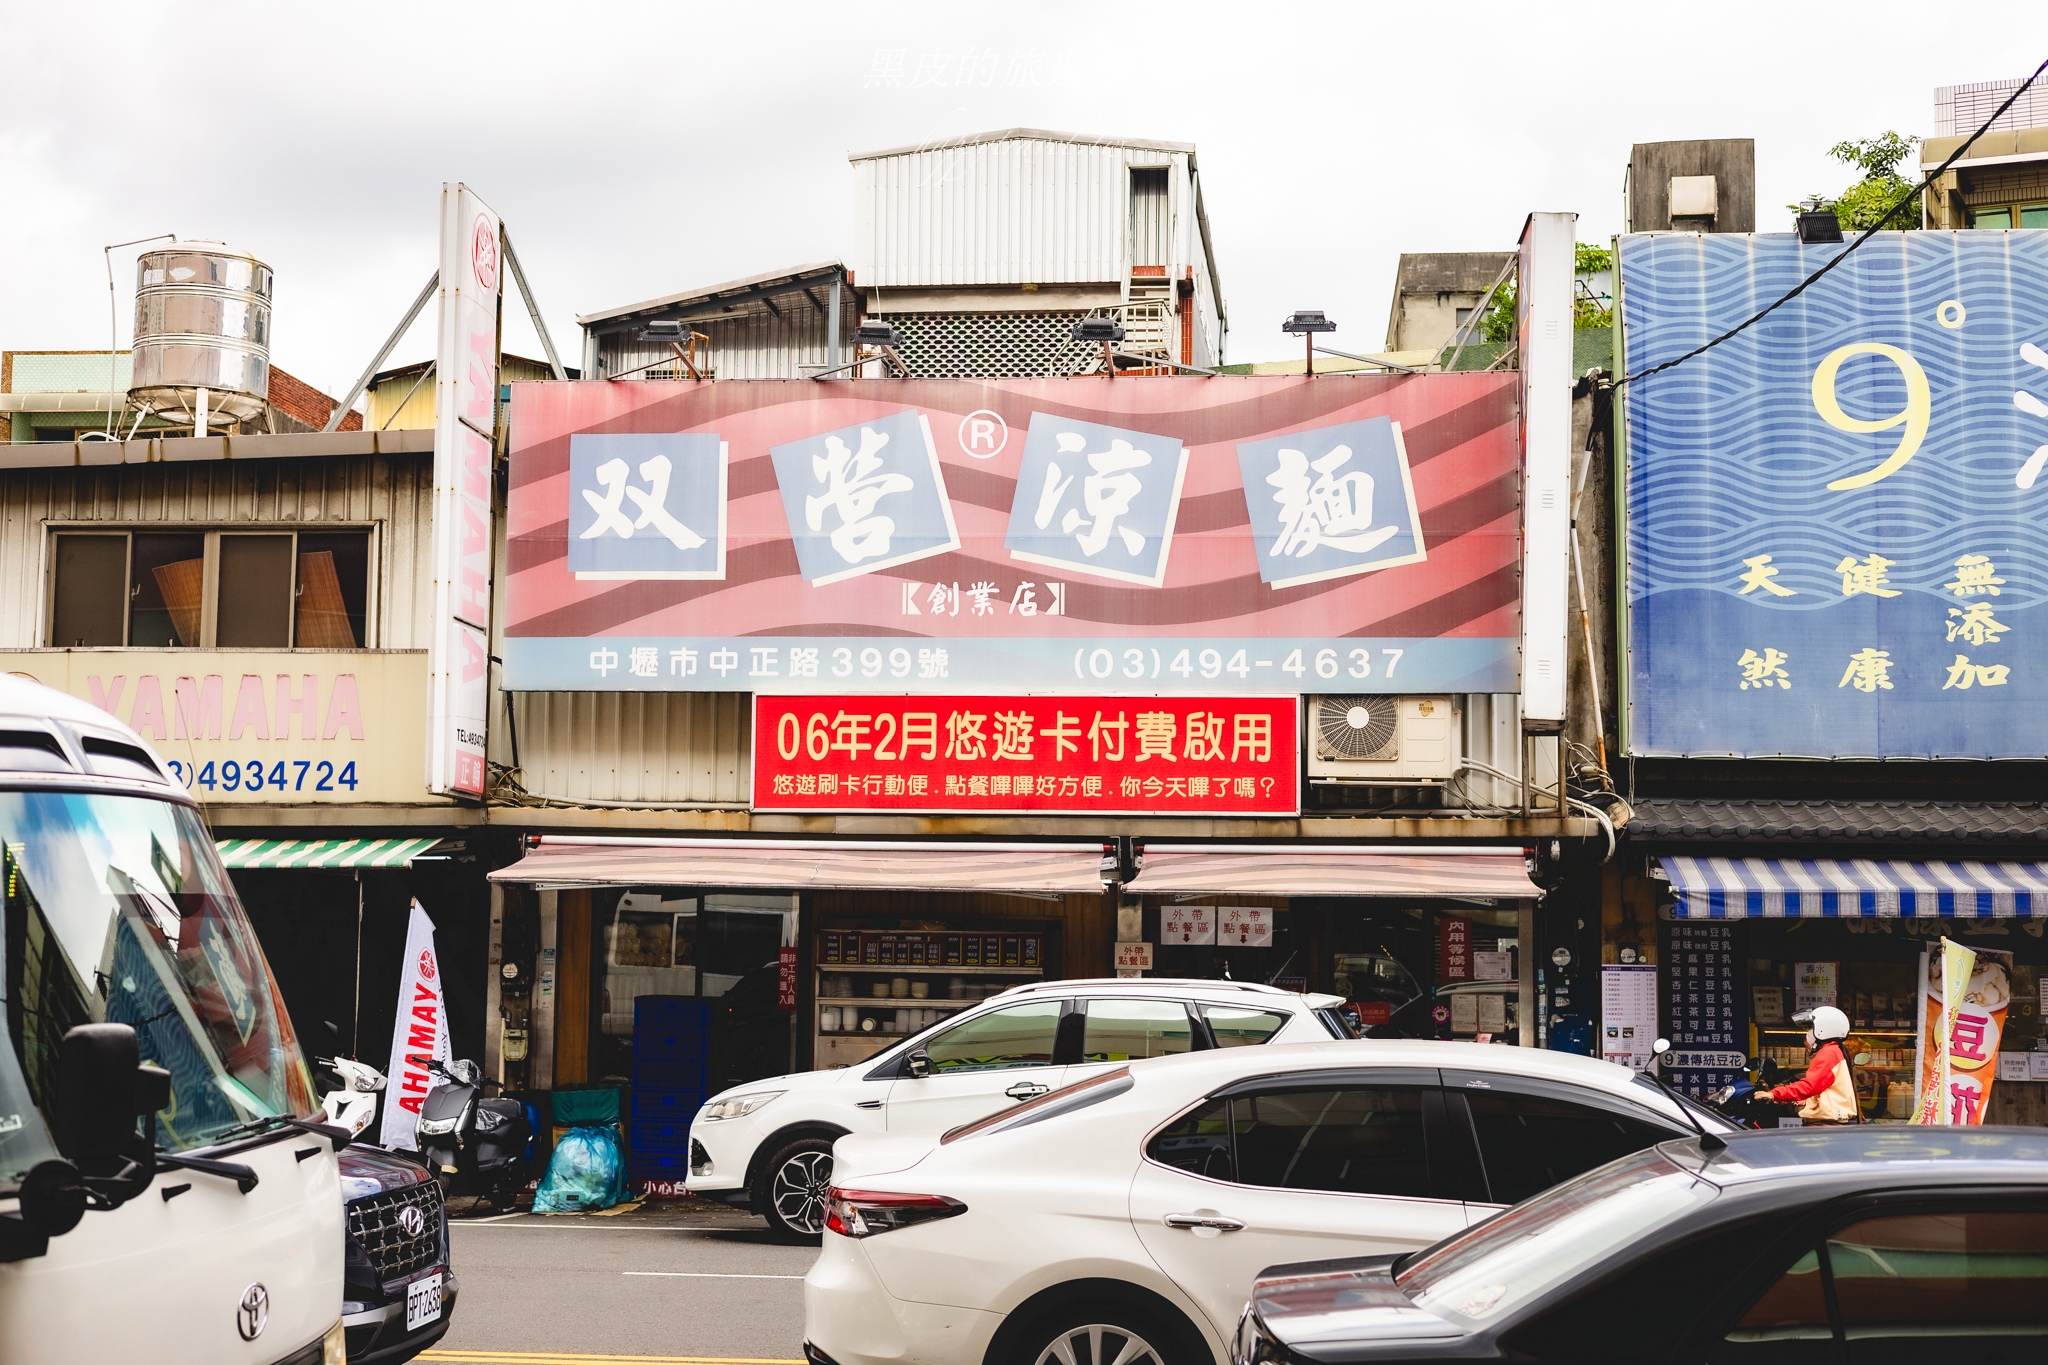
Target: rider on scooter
x,y
1826,1094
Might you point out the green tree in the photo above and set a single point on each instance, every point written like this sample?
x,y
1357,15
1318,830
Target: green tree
x,y
1869,199
1499,323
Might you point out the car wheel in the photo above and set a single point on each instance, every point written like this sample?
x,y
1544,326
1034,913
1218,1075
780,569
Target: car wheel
x,y
1096,1334
790,1192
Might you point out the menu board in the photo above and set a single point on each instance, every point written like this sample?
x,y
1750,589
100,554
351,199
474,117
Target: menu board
x,y
869,948
1705,1009
1628,1015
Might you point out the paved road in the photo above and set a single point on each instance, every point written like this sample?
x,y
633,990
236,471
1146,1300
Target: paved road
x,y
681,1280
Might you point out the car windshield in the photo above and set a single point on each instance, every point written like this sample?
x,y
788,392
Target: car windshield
x,y
116,910
1547,1240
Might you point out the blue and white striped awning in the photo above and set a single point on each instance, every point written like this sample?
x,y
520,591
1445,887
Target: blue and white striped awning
x,y
1855,888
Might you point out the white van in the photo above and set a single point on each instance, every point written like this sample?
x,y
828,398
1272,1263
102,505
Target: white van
x,y
159,1198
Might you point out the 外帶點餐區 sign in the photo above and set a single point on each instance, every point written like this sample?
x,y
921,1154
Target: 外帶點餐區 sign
x,y
1108,755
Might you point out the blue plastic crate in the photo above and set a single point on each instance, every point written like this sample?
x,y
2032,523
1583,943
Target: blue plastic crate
x,y
680,1014
660,1137
672,1077
669,1045
658,1165
666,1106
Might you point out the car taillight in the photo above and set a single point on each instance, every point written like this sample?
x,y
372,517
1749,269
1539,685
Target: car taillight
x,y
863,1213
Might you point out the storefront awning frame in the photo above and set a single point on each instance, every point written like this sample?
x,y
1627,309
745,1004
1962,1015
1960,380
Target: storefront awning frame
x,y
1458,872
321,854
1855,888
570,862
1468,873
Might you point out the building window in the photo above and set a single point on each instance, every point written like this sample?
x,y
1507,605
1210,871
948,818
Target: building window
x,y
1465,315
2014,215
210,589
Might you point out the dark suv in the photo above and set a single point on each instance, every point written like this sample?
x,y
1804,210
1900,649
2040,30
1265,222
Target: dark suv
x,y
398,1292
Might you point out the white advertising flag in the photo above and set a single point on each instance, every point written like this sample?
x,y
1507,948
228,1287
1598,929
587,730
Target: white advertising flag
x,y
418,1032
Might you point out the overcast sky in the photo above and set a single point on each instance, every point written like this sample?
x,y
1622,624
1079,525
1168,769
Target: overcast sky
x,y
641,149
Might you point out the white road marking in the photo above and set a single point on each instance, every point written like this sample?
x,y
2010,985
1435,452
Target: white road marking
x,y
703,1275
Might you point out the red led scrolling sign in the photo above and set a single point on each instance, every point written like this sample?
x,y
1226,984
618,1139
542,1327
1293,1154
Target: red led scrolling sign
x,y
1067,755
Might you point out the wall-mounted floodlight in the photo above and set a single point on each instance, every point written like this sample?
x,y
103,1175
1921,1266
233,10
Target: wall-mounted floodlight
x,y
1306,322
877,334
1817,221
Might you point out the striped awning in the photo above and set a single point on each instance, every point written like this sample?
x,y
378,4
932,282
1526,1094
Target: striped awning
x,y
1262,870
1855,888
804,865
301,853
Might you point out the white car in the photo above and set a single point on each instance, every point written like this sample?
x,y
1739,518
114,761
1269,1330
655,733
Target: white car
x,y
1122,1221
767,1144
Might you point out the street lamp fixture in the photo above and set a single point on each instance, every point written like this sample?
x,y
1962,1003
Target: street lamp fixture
x,y
1105,330
679,337
877,334
1307,322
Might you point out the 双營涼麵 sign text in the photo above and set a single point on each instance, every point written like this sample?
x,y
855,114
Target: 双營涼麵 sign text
x,y
1234,535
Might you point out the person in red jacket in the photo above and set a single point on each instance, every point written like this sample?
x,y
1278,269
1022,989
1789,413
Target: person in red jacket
x,y
1827,1092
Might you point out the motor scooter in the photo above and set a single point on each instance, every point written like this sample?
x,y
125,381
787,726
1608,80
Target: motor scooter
x,y
353,1105
475,1145
1749,1103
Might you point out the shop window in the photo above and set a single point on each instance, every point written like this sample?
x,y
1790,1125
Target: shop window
x,y
1235,1026
210,589
1198,1143
649,949
1530,1144
2034,216
1991,218
1354,1140
1019,1036
1125,1030
1956,1274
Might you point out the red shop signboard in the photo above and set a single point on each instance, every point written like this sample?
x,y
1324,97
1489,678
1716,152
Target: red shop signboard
x,y
1071,755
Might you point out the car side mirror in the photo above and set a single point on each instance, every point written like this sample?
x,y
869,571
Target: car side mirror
x,y
101,1087
918,1064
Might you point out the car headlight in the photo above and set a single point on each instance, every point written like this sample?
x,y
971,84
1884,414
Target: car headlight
x,y
736,1106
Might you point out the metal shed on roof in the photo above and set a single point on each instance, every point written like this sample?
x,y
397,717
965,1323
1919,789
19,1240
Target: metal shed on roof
x,y
1018,206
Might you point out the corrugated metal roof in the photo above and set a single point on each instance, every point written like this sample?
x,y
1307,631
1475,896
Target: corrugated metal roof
x,y
675,304
1030,134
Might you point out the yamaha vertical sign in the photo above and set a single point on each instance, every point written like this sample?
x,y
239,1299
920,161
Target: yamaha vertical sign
x,y
466,374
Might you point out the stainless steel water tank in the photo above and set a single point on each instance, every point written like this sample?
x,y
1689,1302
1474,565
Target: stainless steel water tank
x,y
202,321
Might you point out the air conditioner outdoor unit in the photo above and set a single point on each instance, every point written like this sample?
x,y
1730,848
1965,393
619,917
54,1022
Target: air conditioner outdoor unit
x,y
1384,739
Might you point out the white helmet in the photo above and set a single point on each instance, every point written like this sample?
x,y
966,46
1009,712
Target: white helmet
x,y
1825,1022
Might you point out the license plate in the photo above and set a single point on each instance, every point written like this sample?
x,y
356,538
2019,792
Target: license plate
x,y
423,1301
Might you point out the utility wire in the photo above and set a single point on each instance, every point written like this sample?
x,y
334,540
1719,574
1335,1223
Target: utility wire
x,y
1868,233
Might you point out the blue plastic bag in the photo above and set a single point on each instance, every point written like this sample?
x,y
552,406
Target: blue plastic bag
x,y
586,1173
